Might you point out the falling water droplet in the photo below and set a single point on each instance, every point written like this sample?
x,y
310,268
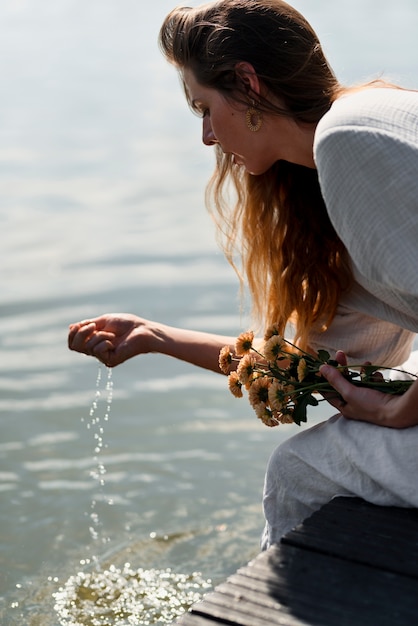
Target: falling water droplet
x,y
98,472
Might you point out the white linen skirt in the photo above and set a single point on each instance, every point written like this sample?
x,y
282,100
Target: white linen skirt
x,y
338,457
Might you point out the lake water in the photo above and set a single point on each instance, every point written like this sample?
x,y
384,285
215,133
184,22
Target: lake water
x,y
147,481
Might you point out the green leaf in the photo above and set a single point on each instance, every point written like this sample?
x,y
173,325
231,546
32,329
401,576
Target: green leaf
x,y
312,401
323,356
301,405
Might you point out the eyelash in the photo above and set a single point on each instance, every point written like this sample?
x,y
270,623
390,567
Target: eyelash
x,y
201,112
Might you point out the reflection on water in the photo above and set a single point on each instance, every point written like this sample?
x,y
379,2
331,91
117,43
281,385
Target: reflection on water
x,y
123,597
101,593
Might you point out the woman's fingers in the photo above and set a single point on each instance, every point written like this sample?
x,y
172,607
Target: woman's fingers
x,y
374,376
79,334
342,386
340,357
96,339
85,338
104,351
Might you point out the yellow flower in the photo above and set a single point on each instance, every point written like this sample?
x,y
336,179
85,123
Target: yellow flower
x,y
277,397
234,385
244,343
245,368
271,331
286,416
272,348
258,394
267,416
302,370
225,359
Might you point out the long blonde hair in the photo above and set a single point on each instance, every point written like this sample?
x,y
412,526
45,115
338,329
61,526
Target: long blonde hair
x,y
294,262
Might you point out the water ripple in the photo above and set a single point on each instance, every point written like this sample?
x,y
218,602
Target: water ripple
x,y
64,464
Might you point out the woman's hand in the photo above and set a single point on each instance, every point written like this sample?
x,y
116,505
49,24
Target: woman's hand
x,y
112,338
368,405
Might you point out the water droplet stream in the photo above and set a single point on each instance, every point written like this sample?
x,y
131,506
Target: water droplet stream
x,y
96,426
119,596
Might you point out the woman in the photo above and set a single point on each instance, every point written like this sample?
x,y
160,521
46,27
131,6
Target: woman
x,y
326,223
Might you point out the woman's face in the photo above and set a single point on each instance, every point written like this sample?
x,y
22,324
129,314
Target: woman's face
x,y
224,123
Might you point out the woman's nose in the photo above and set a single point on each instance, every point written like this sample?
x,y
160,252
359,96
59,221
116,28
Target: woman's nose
x,y
208,136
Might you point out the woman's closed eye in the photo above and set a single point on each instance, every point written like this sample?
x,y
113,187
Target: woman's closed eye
x,y
199,109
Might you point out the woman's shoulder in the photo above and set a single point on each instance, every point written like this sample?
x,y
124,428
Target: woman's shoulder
x,y
366,153
372,109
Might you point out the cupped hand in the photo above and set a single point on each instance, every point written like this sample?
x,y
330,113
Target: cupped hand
x,y
111,338
369,405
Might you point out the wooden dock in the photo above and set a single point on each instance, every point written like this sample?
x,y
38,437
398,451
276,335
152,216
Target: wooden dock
x,y
350,564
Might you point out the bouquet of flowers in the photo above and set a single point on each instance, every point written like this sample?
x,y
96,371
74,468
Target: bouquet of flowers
x,y
283,380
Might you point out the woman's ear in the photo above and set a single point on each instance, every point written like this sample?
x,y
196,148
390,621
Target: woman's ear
x,y
248,76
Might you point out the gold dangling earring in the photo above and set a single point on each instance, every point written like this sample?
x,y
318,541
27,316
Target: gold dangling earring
x,y
253,118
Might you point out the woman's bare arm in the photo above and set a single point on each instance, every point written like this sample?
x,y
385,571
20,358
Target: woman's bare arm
x,y
115,338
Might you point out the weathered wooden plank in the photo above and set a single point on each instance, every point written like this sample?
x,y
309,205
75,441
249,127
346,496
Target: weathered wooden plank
x,y
222,610
383,537
289,586
350,564
326,590
194,619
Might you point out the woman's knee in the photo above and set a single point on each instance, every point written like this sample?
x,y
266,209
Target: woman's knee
x,y
282,461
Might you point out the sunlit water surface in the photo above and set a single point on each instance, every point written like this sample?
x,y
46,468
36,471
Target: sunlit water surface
x,y
125,497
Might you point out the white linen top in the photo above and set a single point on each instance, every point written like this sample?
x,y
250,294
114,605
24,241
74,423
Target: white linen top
x,y
366,153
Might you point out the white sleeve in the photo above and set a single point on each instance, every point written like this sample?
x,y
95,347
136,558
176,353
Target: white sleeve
x,y
369,180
